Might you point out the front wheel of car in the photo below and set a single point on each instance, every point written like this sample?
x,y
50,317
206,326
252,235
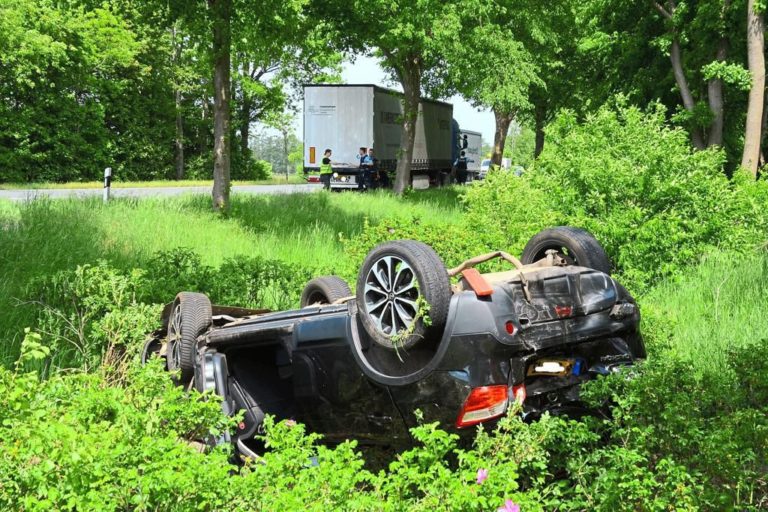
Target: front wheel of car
x,y
191,316
577,246
403,294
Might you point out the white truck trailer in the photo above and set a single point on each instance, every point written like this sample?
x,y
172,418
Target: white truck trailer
x,y
345,118
472,150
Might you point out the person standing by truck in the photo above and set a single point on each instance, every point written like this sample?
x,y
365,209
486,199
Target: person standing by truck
x,y
379,178
461,168
364,176
326,170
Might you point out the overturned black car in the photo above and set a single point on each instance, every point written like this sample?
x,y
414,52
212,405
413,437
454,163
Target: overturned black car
x,y
360,365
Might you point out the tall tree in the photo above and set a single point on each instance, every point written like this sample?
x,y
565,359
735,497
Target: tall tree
x,y
402,34
681,53
756,59
221,13
273,57
491,81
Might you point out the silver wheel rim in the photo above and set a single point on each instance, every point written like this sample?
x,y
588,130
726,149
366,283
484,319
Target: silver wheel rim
x,y
391,294
174,336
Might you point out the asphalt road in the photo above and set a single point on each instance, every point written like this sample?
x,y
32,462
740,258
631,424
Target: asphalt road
x,y
25,194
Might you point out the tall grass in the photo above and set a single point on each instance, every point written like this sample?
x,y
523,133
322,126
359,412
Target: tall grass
x,y
721,305
41,237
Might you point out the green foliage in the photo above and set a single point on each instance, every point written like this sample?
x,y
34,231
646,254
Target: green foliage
x,y
729,73
55,63
97,314
453,243
702,446
74,442
720,294
655,205
520,146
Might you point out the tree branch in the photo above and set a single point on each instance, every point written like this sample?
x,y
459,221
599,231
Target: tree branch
x,y
667,15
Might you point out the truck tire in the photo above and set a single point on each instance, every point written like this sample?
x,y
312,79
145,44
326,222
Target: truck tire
x,y
395,279
576,245
190,317
324,290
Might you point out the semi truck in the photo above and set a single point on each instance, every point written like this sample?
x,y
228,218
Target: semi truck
x,y
472,144
345,118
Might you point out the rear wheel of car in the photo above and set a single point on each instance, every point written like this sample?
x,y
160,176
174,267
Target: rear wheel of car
x,y
576,245
325,290
403,293
190,317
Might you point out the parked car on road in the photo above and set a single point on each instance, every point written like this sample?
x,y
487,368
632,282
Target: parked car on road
x,y
360,364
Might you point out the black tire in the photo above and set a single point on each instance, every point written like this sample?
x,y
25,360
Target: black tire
x,y
190,317
152,348
397,296
576,245
325,290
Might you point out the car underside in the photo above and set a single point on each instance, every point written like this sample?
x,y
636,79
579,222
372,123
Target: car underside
x,y
360,365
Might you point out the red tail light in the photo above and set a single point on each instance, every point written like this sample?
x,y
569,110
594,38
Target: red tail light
x,y
483,404
563,311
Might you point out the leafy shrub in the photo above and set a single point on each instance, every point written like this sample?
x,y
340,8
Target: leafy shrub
x,y
97,313
75,442
257,283
623,174
681,431
90,312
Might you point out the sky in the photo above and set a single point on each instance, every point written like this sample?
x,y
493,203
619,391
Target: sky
x,y
366,70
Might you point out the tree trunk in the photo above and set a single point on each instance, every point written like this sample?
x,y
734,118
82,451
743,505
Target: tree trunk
x,y
539,117
756,60
716,102
763,129
202,133
685,91
285,152
179,142
221,11
245,125
503,120
410,79
179,138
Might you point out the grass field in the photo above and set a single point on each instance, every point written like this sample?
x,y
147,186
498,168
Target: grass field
x,y
42,237
719,307
275,180
714,309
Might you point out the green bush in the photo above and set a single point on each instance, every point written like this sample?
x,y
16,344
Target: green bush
x,y
673,429
76,442
97,313
655,204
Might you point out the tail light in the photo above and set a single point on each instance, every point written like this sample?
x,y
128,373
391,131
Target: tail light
x,y
483,403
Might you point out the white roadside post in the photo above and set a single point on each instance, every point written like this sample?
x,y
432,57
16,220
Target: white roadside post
x,y
107,183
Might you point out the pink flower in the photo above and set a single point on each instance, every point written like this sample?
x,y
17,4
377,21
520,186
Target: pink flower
x,y
509,506
482,474
290,423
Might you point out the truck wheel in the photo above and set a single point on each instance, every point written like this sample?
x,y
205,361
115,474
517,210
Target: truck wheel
x,y
401,284
190,317
324,290
576,245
